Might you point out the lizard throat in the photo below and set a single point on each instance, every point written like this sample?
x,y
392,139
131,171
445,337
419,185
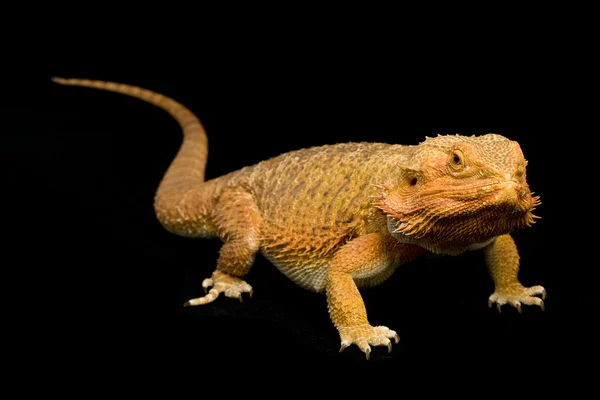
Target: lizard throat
x,y
457,219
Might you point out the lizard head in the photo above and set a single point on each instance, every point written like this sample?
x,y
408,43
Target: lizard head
x,y
455,191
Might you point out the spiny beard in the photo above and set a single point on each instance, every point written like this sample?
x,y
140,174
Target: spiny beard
x,y
470,221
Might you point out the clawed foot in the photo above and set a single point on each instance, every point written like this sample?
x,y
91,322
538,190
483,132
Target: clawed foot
x,y
219,283
517,295
365,336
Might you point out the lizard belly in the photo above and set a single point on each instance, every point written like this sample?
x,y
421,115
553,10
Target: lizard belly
x,y
478,246
311,275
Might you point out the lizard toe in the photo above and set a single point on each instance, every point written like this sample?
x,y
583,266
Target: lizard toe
x,y
207,283
536,291
365,336
517,296
220,282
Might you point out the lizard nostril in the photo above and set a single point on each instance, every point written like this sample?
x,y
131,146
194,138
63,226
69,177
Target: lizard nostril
x,y
520,172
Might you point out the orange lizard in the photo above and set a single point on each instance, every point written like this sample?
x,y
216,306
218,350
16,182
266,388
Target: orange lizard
x,y
336,218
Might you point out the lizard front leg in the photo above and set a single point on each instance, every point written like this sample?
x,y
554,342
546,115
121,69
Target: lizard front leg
x,y
364,258
238,222
502,259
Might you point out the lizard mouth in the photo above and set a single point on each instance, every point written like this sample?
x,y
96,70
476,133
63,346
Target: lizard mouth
x,y
477,212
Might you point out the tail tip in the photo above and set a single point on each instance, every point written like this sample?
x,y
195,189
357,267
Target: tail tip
x,y
59,80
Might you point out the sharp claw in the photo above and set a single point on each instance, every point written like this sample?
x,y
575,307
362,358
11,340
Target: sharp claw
x,y
205,289
344,346
518,307
389,347
241,298
251,292
489,304
368,352
397,338
187,304
542,306
499,307
544,296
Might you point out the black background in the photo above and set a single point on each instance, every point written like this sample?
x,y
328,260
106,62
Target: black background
x,y
85,164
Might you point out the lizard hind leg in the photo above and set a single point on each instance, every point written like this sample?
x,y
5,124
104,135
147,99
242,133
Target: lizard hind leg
x,y
238,224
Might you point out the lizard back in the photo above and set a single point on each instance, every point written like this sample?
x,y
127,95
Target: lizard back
x,y
313,201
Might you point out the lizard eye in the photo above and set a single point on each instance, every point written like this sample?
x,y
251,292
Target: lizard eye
x,y
456,160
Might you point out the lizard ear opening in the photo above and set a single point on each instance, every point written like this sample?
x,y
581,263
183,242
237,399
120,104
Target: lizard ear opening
x,y
411,177
410,174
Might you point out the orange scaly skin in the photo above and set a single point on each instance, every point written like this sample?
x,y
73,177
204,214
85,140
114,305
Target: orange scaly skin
x,y
339,217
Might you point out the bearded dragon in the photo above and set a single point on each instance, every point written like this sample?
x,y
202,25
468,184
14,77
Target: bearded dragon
x,y
336,218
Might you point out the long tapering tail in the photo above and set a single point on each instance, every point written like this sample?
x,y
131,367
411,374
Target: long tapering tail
x,y
180,205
